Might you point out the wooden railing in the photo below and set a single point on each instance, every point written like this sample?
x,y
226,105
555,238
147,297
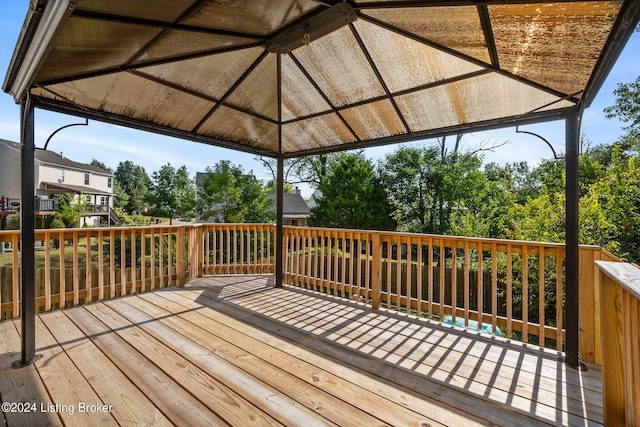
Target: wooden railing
x,y
236,248
77,266
620,308
471,282
468,281
92,264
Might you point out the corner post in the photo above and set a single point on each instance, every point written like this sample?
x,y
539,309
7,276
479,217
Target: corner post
x,y
27,233
572,123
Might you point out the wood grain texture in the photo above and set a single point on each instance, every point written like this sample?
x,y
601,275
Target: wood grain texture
x,y
232,350
127,401
612,352
22,385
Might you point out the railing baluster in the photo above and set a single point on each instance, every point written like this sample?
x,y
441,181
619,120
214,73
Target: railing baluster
x,y
322,251
87,272
398,272
419,277
367,267
509,291
15,275
100,265
112,265
254,262
441,265
466,283
408,287
143,259
308,256
47,271
525,295
559,300
541,296
161,256
242,250
152,258
76,267
336,278
180,267
480,298
430,284
454,280
494,287
343,276
134,275
123,263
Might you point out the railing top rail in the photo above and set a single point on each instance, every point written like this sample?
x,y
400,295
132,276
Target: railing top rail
x,y
5,235
236,224
626,275
448,237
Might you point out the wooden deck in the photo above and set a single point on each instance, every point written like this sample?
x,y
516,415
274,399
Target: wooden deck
x,y
232,350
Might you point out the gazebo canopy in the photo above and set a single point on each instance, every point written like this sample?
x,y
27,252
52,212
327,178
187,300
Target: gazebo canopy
x,y
296,77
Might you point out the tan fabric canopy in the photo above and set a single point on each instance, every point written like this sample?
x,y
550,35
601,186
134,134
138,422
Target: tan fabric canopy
x,y
302,76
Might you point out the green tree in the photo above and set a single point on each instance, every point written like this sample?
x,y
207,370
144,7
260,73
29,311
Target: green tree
x,y
132,181
271,187
313,169
426,184
13,223
172,193
610,213
516,178
228,194
352,196
627,110
488,213
101,165
69,209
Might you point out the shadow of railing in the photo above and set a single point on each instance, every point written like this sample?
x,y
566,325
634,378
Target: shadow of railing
x,y
441,362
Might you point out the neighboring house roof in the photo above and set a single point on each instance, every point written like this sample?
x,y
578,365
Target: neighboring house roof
x,y
313,200
292,204
75,188
53,158
200,177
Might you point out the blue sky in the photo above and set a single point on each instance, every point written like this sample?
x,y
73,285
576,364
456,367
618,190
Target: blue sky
x,y
112,144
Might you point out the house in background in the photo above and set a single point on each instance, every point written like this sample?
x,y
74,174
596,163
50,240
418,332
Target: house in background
x,y
55,175
295,209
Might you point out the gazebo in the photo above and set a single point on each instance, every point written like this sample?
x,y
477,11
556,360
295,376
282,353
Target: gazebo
x,y
288,78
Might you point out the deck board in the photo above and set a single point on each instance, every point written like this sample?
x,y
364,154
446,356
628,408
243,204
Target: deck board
x,y
233,350
480,375
21,385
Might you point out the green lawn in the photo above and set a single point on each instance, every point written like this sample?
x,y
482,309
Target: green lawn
x,y
6,259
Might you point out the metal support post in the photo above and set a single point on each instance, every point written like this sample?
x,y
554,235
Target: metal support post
x,y
572,291
27,236
279,222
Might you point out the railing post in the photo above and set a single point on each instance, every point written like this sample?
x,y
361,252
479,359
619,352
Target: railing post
x,y
376,264
589,310
180,267
620,304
